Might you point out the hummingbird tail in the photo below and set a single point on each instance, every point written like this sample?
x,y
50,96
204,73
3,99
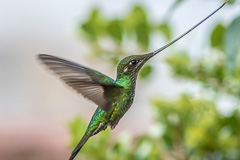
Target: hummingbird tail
x,y
79,146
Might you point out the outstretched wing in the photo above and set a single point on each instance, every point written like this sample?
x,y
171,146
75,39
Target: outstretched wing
x,y
92,84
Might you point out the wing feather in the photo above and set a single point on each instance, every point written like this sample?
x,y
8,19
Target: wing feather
x,y
92,84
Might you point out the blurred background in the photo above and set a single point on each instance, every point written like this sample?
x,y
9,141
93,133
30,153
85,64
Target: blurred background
x,y
187,98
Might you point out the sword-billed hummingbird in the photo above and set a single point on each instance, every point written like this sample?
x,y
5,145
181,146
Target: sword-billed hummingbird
x,y
113,97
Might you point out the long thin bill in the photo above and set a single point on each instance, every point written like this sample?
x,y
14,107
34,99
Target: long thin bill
x,y
170,43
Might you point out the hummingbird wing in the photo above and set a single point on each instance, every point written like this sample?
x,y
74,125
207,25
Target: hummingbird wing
x,y
92,84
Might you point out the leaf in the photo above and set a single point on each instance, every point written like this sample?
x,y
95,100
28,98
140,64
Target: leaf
x,y
115,29
142,34
137,23
231,1
94,26
136,17
232,42
77,128
165,29
145,71
217,36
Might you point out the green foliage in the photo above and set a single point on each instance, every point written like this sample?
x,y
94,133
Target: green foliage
x,y
194,129
134,29
231,1
145,71
89,27
183,128
190,129
77,128
232,42
115,29
137,23
206,133
165,29
218,36
211,72
102,147
227,39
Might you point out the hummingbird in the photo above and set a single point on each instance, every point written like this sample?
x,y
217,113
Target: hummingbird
x,y
113,97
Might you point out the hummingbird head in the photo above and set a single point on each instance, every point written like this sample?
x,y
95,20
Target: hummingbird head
x,y
131,65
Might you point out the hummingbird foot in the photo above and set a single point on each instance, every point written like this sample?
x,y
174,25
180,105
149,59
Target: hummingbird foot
x,y
114,125
102,126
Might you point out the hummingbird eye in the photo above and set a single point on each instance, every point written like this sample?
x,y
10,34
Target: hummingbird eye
x,y
133,62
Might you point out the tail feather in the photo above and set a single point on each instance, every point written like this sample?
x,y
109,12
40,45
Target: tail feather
x,y
79,146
